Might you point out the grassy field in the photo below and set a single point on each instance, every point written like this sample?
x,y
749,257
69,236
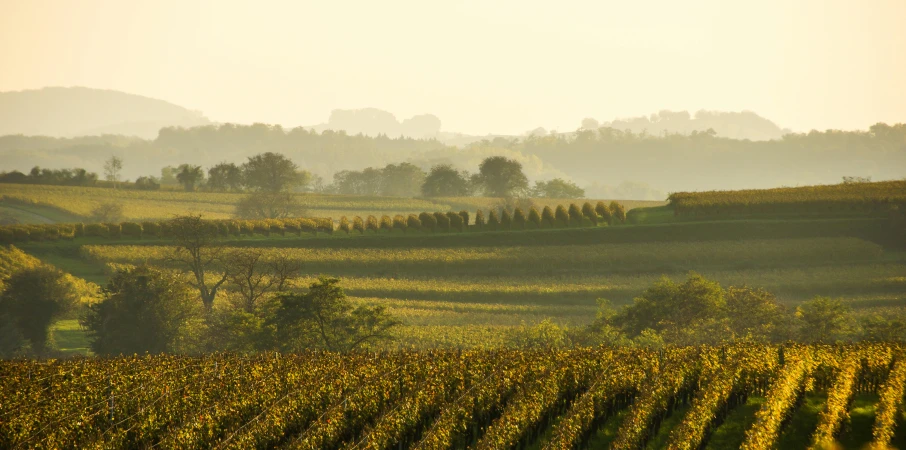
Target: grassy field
x,y
43,204
477,288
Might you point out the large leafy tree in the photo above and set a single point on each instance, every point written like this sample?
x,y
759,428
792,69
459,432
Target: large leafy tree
x,y
189,175
143,310
33,298
323,318
558,188
271,172
402,180
225,177
502,177
269,205
445,181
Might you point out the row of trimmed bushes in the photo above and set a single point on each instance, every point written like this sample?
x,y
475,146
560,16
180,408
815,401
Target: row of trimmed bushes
x,y
160,229
571,215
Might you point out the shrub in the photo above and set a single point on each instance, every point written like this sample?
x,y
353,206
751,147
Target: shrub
x,y
21,234
443,222
455,221
589,211
465,219
95,230
293,226
518,219
325,224
151,229
506,221
276,226
308,226
534,217
604,212
399,222
358,225
261,227
114,230
547,215
344,225
561,215
131,229
428,221
36,234
371,223
386,223
79,230
235,227
413,222
493,221
618,211
479,219
575,214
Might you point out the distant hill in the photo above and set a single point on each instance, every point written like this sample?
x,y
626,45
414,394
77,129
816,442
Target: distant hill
x,y
733,125
79,111
374,122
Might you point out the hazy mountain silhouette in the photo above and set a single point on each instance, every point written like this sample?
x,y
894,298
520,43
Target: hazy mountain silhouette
x,y
733,125
80,111
374,122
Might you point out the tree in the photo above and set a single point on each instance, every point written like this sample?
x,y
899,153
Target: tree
x,y
562,215
443,222
823,319
575,214
479,219
445,181
455,221
547,215
604,212
270,172
269,205
465,219
534,217
225,177
147,184
189,175
197,250
558,188
493,221
502,177
519,219
323,318
506,220
589,211
402,180
143,310
428,221
112,169
617,211
254,277
107,212
33,298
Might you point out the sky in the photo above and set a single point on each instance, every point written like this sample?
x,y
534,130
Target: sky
x,y
481,66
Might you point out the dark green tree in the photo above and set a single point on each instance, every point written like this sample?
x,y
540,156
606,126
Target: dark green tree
x,y
323,318
479,219
143,310
189,175
502,177
33,298
558,188
271,172
225,177
603,211
562,215
547,216
589,212
445,181
534,217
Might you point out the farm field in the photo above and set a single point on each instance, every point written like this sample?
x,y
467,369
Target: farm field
x,y
741,396
73,202
478,289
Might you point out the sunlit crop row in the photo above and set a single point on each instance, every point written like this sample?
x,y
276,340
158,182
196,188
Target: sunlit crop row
x,y
551,399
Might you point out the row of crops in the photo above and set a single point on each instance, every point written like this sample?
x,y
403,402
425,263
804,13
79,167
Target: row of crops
x,y
551,399
846,198
571,215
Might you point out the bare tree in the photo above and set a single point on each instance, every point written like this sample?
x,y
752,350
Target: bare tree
x,y
112,169
197,250
254,276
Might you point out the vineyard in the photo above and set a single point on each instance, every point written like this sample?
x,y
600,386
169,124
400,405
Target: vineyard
x,y
678,398
838,199
157,205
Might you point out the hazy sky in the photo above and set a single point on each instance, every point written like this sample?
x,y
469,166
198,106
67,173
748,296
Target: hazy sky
x,y
482,66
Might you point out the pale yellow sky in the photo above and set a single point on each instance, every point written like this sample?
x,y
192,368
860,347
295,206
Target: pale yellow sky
x,y
481,66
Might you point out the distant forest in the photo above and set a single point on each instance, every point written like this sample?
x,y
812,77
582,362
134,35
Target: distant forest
x,y
602,160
